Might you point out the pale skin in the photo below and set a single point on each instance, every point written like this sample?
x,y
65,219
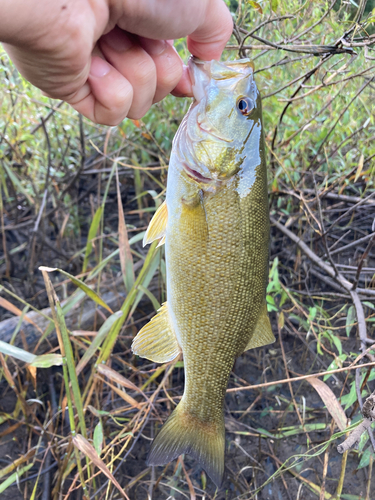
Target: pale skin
x,y
111,59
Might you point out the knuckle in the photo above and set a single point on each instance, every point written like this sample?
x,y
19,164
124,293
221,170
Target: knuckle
x,y
171,74
137,114
117,110
105,117
144,71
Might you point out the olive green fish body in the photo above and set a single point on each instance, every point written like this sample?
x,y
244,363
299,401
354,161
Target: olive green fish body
x,y
217,237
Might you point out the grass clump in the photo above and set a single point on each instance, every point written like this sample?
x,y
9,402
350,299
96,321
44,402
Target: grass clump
x,y
78,410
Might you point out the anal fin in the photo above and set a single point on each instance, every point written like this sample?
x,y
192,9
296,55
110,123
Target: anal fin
x,y
157,341
157,227
262,332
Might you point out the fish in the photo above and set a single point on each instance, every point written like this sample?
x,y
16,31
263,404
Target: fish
x,y
215,227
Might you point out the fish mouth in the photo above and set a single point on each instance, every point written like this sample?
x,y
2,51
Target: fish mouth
x,y
196,176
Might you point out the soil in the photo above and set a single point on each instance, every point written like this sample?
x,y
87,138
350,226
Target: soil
x,y
250,459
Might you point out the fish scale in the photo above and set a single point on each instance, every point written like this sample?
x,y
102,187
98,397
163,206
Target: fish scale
x,y
215,225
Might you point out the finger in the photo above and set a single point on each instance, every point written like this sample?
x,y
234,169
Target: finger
x,y
209,39
106,97
207,22
168,65
133,63
184,86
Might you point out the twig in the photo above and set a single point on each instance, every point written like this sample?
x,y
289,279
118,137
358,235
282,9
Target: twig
x,y
330,271
83,158
364,256
338,119
297,379
312,256
319,21
369,417
323,233
354,436
290,385
362,331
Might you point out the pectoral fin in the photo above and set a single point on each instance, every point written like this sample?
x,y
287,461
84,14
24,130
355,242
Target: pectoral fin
x,y
157,341
157,227
263,332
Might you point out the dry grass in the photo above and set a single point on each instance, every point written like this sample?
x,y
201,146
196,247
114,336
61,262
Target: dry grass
x,y
78,410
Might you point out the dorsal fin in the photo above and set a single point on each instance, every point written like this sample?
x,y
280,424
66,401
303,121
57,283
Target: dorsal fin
x,y
158,225
157,341
262,332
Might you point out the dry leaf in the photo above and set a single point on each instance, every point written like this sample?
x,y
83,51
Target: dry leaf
x,y
13,309
63,406
188,480
256,6
281,320
32,370
122,394
87,449
331,402
83,333
116,377
360,167
126,258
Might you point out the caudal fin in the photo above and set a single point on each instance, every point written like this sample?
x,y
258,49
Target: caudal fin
x,y
184,433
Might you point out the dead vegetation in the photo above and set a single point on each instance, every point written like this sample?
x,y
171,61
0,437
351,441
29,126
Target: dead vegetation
x,y
78,410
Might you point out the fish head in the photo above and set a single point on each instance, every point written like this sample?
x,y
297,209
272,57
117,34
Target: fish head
x,y
215,136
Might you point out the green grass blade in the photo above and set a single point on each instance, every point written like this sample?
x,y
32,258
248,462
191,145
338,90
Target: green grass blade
x,y
154,264
95,344
98,437
47,360
13,478
126,258
126,306
85,288
151,296
16,352
71,367
17,183
92,233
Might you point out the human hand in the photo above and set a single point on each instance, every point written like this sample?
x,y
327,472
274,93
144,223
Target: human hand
x,y
111,59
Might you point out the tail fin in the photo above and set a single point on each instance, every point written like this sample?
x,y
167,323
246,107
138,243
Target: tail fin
x,y
184,433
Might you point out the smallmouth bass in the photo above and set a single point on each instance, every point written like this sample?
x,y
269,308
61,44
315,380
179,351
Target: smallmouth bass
x,y
215,226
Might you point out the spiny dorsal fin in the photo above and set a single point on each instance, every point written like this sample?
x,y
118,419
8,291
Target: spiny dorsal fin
x,y
157,341
262,332
157,227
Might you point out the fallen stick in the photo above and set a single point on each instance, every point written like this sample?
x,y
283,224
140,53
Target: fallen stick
x,y
297,379
368,418
75,319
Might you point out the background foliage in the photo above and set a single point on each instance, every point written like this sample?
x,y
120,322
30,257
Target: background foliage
x,y
61,180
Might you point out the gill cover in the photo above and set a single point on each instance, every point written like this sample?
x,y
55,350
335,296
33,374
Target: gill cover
x,y
211,144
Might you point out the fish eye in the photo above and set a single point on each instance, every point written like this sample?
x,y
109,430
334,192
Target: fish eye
x,y
245,105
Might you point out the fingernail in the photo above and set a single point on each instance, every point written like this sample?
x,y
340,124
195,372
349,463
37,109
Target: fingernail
x,y
153,47
118,40
99,67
